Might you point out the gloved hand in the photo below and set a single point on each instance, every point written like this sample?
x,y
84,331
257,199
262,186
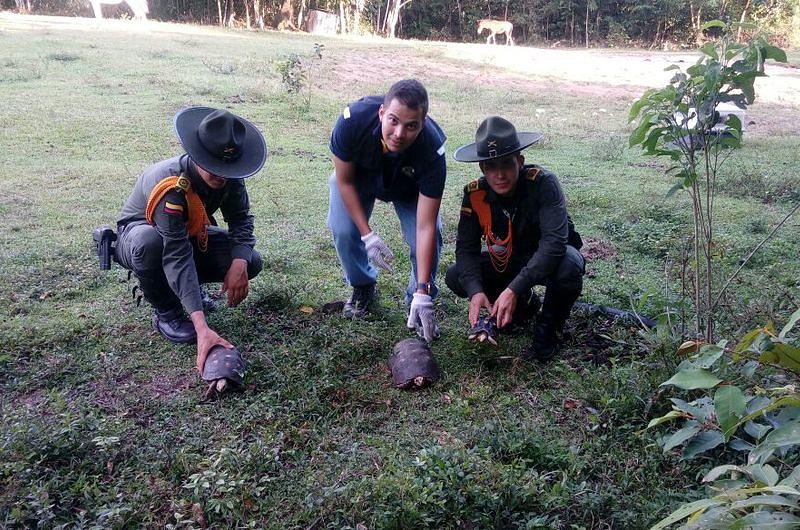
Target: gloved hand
x,y
378,252
422,317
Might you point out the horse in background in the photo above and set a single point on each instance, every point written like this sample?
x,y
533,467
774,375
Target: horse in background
x,y
139,7
496,27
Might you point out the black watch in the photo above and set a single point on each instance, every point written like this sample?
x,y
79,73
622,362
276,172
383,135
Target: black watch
x,y
425,286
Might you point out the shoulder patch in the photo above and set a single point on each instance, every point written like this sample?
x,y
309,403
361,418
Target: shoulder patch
x,y
346,112
533,173
473,186
440,151
466,211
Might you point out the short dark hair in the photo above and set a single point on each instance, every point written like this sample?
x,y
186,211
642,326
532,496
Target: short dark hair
x,y
410,93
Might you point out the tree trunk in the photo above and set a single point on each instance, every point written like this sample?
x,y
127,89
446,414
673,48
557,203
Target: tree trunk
x,y
219,13
300,14
247,13
586,25
742,19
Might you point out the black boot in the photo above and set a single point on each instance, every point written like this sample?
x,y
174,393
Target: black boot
x,y
555,311
174,326
168,317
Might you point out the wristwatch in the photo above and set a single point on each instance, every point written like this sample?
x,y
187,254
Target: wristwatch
x,y
424,286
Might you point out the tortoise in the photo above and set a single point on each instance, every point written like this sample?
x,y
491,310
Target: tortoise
x,y
485,329
412,364
224,370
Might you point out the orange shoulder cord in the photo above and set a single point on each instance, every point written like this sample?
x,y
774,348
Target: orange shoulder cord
x,y
499,249
197,223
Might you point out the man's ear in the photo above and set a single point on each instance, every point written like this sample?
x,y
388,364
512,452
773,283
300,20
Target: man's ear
x,y
521,160
381,112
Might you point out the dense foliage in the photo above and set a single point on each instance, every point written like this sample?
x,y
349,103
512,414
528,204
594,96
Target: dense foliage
x,y
660,23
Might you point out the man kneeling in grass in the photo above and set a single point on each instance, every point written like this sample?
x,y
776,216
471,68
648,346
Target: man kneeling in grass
x,y
519,211
167,233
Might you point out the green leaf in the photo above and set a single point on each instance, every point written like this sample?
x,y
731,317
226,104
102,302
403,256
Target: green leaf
x,y
747,340
764,500
774,53
669,416
699,409
789,325
685,511
765,474
672,67
785,401
680,436
708,355
756,430
705,441
786,435
712,24
729,405
636,108
638,135
718,471
785,355
710,49
693,378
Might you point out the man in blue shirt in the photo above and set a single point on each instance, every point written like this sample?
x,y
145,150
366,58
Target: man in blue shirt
x,y
387,148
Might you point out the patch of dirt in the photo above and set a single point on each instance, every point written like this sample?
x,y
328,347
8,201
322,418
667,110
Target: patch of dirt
x,y
33,399
599,249
620,76
129,396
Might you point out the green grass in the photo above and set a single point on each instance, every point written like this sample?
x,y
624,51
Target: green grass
x,y
100,419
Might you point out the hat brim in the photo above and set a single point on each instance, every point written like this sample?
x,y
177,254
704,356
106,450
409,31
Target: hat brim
x,y
254,149
469,153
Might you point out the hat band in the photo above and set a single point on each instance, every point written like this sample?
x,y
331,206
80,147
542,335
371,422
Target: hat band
x,y
494,152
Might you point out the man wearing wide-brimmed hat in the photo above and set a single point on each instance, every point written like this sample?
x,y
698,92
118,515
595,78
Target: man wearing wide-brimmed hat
x,y
167,232
513,234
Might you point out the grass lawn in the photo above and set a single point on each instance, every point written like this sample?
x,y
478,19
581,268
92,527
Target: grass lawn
x,y
101,423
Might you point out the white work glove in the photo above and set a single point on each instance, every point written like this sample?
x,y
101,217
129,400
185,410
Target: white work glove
x,y
378,252
422,317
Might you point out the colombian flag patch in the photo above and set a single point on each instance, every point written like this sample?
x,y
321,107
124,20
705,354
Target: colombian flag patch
x,y
172,208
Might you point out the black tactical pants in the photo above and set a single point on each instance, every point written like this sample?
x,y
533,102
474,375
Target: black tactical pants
x,y
140,249
568,276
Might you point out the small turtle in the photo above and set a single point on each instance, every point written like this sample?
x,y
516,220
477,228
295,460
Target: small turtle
x,y
224,369
412,364
485,329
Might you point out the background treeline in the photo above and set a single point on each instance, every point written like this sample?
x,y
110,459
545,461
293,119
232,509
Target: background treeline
x,y
655,23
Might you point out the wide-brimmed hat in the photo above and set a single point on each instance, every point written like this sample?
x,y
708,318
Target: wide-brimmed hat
x,y
495,137
220,142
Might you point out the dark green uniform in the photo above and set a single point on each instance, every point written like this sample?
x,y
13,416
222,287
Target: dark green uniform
x,y
544,242
168,263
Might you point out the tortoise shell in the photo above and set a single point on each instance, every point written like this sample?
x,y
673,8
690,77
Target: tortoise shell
x,y
224,363
412,364
485,329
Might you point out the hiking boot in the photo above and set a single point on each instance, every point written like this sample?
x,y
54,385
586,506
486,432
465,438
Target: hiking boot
x,y
174,326
357,306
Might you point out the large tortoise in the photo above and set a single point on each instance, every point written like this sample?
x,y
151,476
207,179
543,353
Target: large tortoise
x,y
412,364
224,370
